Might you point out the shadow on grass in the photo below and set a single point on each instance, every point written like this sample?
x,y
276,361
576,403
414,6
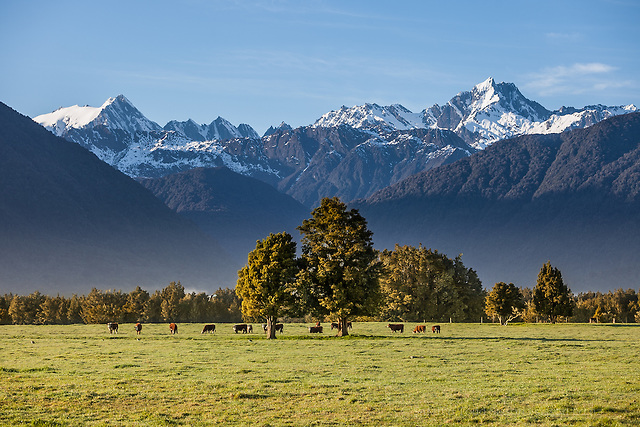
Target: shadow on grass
x,y
439,337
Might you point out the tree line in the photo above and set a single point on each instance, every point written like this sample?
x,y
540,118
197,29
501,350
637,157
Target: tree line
x,y
171,304
339,277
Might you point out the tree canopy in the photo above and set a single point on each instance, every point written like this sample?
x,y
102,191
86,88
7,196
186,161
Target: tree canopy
x,y
551,297
266,283
504,301
339,266
420,284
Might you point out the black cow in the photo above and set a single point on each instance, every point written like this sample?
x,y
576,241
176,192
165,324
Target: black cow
x,y
112,327
208,328
435,329
315,329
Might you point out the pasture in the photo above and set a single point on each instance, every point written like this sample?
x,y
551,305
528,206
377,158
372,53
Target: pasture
x,y
470,374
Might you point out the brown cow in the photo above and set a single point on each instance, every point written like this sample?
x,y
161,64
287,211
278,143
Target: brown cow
x,y
419,328
208,328
397,327
435,329
138,328
173,328
112,327
241,328
315,329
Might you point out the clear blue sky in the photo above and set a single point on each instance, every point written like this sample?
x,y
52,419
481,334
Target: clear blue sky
x,y
263,62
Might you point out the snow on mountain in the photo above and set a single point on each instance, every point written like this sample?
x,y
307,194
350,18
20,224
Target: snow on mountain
x,y
373,116
349,152
487,113
116,113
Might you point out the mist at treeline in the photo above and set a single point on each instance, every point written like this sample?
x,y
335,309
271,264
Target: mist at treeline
x,y
449,292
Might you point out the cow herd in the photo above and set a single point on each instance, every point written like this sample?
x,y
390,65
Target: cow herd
x,y
244,328
399,327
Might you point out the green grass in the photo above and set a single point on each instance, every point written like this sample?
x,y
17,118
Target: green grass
x,y
470,374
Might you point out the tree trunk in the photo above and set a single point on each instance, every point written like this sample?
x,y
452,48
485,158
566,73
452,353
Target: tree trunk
x,y
271,328
343,331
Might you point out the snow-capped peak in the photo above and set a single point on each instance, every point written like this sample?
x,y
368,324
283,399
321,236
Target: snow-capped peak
x,y
115,113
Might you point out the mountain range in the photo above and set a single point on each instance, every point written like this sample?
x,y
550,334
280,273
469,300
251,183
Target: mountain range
x,y
491,175
350,153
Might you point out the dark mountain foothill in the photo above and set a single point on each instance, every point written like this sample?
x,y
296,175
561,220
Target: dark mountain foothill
x,y
70,222
235,209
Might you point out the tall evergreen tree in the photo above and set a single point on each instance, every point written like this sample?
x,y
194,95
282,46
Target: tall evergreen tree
x,y
266,283
551,297
340,267
172,297
505,302
135,305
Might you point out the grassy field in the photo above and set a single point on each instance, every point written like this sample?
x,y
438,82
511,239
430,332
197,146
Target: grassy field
x,y
531,374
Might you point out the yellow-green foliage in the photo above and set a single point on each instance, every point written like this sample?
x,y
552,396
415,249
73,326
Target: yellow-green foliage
x,y
265,283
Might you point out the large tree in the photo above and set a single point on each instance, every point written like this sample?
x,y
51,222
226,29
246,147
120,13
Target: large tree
x,y
551,297
266,283
505,302
340,267
420,284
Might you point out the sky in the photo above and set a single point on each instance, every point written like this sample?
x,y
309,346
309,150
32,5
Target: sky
x,y
262,62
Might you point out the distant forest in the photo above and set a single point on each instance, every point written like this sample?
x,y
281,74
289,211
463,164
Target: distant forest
x,y
173,304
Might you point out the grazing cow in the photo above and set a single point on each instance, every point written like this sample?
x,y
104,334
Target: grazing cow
x,y
315,329
397,327
593,320
208,328
419,328
240,328
435,329
138,328
113,327
173,328
278,326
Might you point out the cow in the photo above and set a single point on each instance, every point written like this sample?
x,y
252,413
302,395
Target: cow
x,y
208,328
315,329
241,328
336,325
138,328
278,326
435,329
397,327
173,328
419,328
112,327
593,320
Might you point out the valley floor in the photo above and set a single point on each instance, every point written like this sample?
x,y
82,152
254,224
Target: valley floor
x,y
522,374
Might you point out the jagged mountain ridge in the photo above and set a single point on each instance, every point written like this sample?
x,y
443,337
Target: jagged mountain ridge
x,y
487,113
350,153
572,198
